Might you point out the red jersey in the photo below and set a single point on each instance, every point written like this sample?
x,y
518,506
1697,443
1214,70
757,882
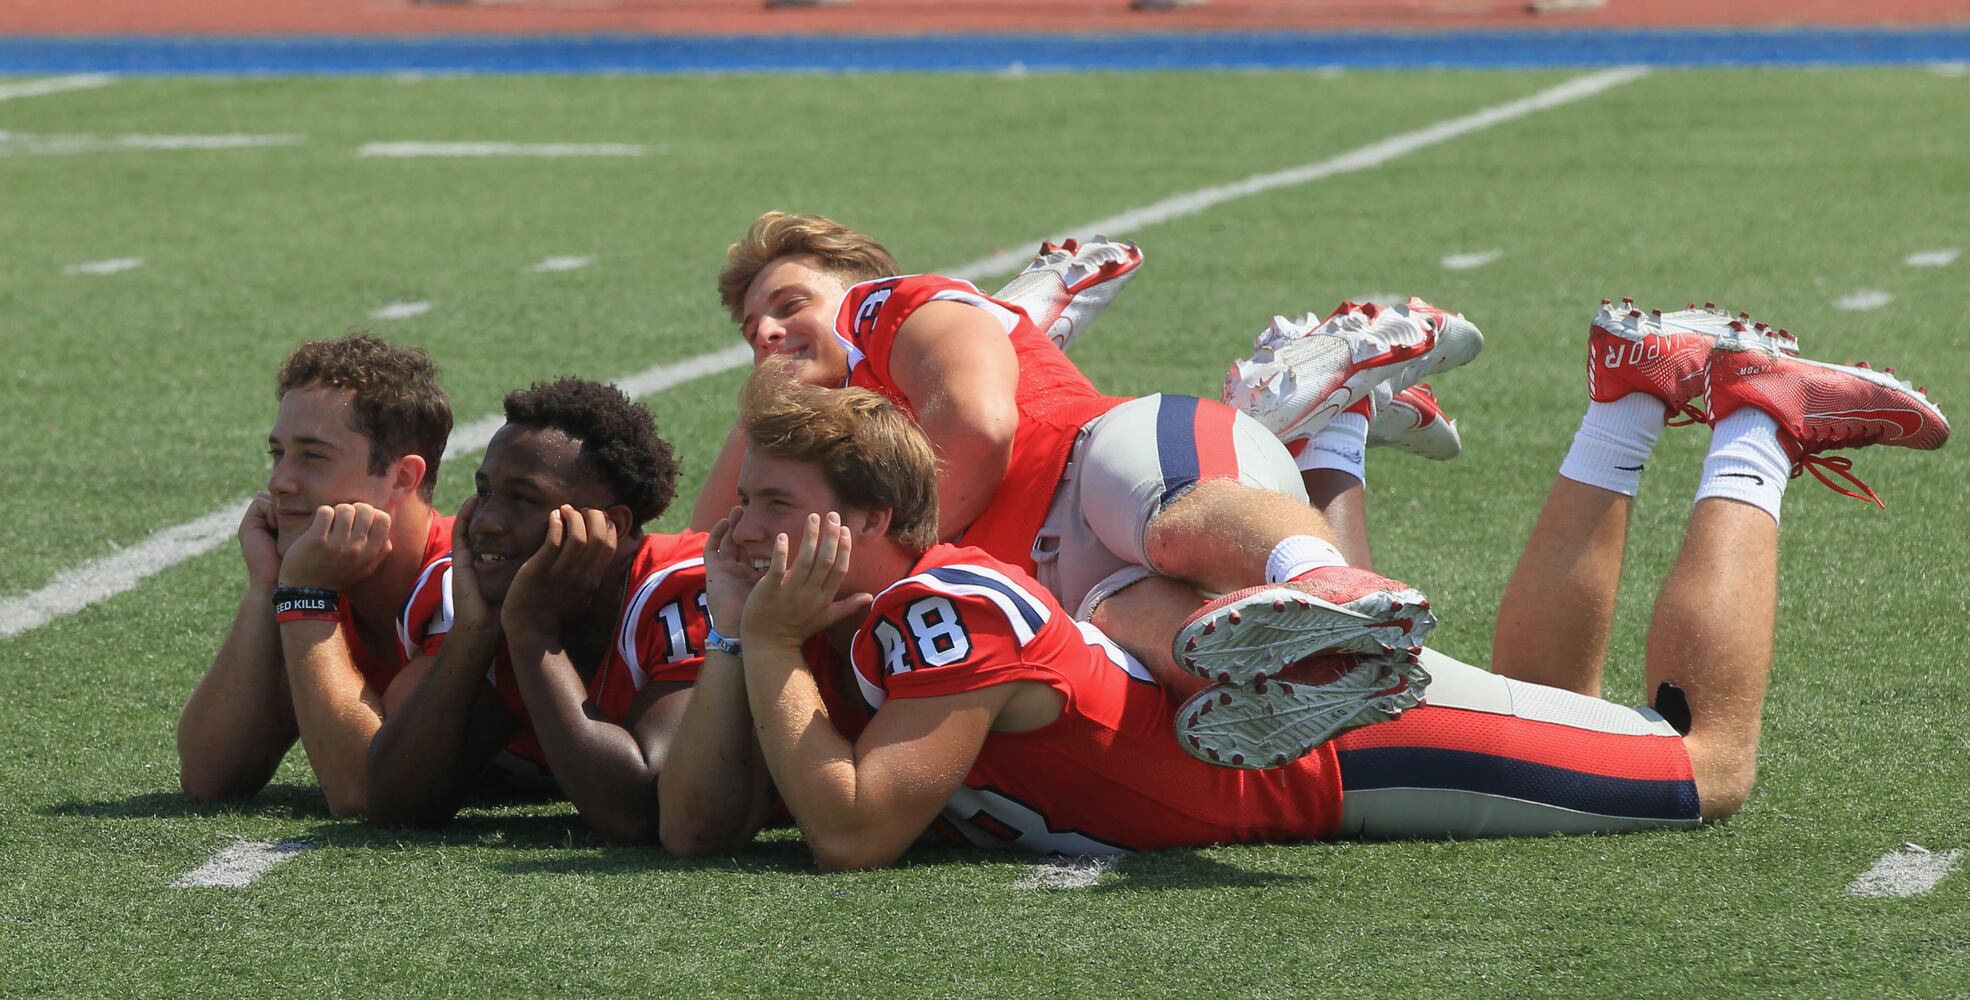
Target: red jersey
x,y
379,672
1053,397
659,635
1107,775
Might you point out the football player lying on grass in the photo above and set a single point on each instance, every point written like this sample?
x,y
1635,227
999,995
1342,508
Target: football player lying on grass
x,y
332,548
559,630
962,689
1087,493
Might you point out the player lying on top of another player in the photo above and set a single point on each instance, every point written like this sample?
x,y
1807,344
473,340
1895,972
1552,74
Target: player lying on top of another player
x,y
961,688
332,548
1088,493
559,629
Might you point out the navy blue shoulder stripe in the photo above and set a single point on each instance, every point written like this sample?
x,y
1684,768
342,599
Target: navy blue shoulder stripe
x,y
1035,616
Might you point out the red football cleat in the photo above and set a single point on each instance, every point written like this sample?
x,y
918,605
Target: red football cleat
x,y
1271,723
1251,634
1820,407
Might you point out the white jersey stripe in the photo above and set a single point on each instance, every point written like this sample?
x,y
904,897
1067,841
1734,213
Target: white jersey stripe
x,y
1018,605
626,634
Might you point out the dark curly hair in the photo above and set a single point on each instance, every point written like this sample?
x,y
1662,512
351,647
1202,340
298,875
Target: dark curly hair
x,y
618,438
399,406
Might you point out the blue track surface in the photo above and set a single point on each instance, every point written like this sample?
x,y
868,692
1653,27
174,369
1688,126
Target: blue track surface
x,y
320,55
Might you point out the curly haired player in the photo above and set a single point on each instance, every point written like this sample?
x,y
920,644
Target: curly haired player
x,y
559,630
332,548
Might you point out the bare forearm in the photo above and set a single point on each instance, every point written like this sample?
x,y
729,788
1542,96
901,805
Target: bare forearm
x,y
420,768
812,765
336,721
712,787
721,488
598,764
233,730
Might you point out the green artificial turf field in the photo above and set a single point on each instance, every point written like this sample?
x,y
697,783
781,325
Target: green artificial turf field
x,y
135,401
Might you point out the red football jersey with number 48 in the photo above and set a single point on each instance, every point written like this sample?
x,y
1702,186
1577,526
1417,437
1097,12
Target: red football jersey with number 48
x,y
1107,775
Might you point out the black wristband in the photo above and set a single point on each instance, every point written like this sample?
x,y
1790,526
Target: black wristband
x,y
297,604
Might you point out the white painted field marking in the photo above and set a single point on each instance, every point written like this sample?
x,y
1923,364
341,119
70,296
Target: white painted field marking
x,y
1865,300
550,264
241,864
1932,258
402,149
1952,69
54,85
107,577
26,144
1367,157
399,310
1470,261
110,266
1065,873
1911,871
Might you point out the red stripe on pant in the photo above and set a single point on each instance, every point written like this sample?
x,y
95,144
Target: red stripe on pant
x,y
1217,450
1612,755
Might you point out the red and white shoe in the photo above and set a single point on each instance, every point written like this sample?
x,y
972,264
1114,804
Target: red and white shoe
x,y
1821,407
1664,354
1068,284
1301,373
1271,723
1412,421
1251,634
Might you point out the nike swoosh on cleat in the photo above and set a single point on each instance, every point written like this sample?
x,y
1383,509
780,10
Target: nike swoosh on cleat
x,y
1760,480
1904,421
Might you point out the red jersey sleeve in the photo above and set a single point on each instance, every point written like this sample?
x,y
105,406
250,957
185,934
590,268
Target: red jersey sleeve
x,y
427,616
874,311
662,633
951,629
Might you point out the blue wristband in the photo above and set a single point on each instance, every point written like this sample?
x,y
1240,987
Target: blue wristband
x,y
718,642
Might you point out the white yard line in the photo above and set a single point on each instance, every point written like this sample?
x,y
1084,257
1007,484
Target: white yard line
x,y
550,264
240,864
54,85
1469,261
1367,157
399,310
112,575
1065,873
111,266
1910,871
1932,258
549,149
33,144
1865,300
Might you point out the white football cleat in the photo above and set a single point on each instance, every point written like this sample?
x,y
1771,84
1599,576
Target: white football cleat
x,y
1413,421
1276,721
1068,284
1301,374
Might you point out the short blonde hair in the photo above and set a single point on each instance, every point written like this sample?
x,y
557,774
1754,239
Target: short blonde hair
x,y
843,252
872,455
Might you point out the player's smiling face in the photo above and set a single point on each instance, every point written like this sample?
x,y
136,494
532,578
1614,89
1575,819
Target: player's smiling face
x,y
778,494
319,459
790,311
527,473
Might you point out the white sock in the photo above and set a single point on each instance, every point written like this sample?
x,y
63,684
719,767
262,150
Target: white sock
x,y
1342,445
1297,554
1746,462
1614,442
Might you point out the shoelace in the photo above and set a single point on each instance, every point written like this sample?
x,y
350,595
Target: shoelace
x,y
1840,466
